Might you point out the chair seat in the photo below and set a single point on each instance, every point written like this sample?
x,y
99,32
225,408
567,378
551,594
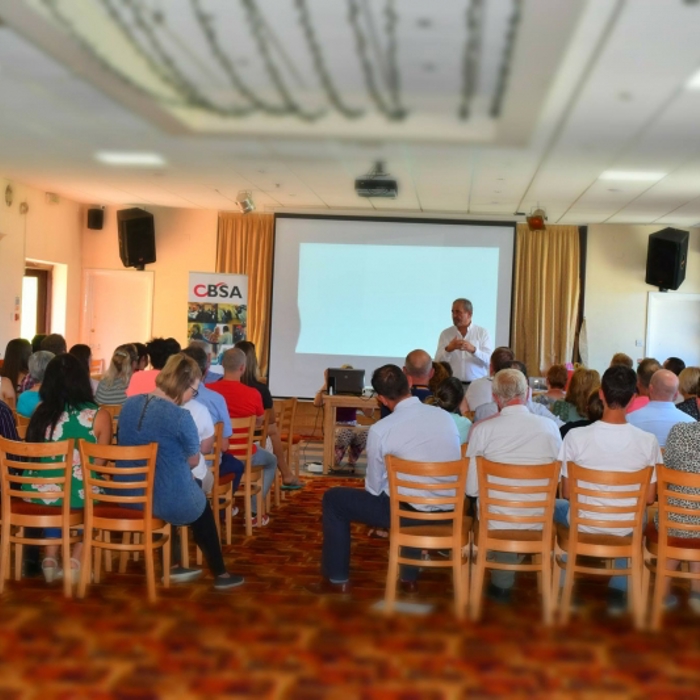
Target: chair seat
x,y
510,534
588,538
652,536
117,513
296,438
20,507
435,530
226,479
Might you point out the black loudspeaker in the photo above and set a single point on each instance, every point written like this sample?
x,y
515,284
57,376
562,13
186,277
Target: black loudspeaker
x,y
137,238
96,219
666,258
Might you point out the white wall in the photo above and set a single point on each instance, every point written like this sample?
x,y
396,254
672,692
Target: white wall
x,y
616,294
185,242
48,233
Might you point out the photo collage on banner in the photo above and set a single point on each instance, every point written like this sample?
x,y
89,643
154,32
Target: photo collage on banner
x,y
217,310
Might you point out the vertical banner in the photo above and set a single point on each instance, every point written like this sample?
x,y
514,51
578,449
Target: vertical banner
x,y
217,310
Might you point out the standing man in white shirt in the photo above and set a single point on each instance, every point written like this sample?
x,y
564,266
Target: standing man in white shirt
x,y
466,346
413,431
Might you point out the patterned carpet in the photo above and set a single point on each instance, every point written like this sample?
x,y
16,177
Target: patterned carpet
x,y
271,639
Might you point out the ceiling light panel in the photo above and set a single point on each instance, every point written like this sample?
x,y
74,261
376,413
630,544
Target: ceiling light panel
x,y
632,175
130,158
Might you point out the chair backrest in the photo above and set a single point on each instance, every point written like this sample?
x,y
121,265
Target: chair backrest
x,y
135,483
241,442
22,423
516,496
675,506
607,502
97,368
285,418
213,458
262,431
426,484
23,456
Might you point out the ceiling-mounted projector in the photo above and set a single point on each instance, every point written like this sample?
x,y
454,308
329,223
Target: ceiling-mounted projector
x,y
244,202
377,183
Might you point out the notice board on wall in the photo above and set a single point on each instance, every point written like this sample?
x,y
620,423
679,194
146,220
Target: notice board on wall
x,y
673,327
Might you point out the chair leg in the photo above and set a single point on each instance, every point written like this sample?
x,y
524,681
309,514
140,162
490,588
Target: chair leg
x,y
568,588
248,512
229,521
124,556
392,577
97,557
458,574
67,573
4,554
185,546
107,553
659,587
636,585
85,564
166,555
150,570
537,559
478,584
546,588
19,554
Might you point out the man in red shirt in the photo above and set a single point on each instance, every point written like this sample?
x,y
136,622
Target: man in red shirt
x,y
243,401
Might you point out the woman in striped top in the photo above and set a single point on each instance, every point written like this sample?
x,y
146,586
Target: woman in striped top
x,y
112,387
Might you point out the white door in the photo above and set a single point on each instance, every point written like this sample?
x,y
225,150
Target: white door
x,y
117,308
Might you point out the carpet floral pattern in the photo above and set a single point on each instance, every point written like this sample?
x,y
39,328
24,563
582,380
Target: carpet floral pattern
x,y
272,639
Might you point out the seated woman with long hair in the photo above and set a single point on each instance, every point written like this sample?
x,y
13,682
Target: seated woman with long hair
x,y
159,417
450,397
15,368
251,378
112,387
574,406
557,376
28,400
67,411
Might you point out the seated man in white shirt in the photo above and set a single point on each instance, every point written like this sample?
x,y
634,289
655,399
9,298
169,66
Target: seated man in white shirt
x,y
479,391
610,444
660,414
513,436
413,431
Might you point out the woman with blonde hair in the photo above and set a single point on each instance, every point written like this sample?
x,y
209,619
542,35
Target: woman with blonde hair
x,y
159,417
112,387
575,405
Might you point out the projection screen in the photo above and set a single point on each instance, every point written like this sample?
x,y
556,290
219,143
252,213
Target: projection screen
x,y
365,291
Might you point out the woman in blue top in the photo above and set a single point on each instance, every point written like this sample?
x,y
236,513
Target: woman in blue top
x,y
177,499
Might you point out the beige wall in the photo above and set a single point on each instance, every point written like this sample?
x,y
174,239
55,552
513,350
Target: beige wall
x,y
616,294
49,233
185,241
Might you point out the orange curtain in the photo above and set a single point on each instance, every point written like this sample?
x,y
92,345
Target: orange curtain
x,y
244,247
547,288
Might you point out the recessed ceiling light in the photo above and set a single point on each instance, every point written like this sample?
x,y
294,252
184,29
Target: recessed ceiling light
x,y
631,175
138,158
694,81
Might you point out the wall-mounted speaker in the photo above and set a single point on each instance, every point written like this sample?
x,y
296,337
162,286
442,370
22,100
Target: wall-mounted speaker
x,y
137,238
666,258
96,219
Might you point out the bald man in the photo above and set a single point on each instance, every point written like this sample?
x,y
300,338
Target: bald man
x,y
418,370
660,414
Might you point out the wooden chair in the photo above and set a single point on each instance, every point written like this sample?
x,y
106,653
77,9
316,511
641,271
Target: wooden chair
x,y
241,446
529,492
453,535
260,437
113,512
285,424
18,514
114,409
220,497
659,546
97,368
22,423
605,486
